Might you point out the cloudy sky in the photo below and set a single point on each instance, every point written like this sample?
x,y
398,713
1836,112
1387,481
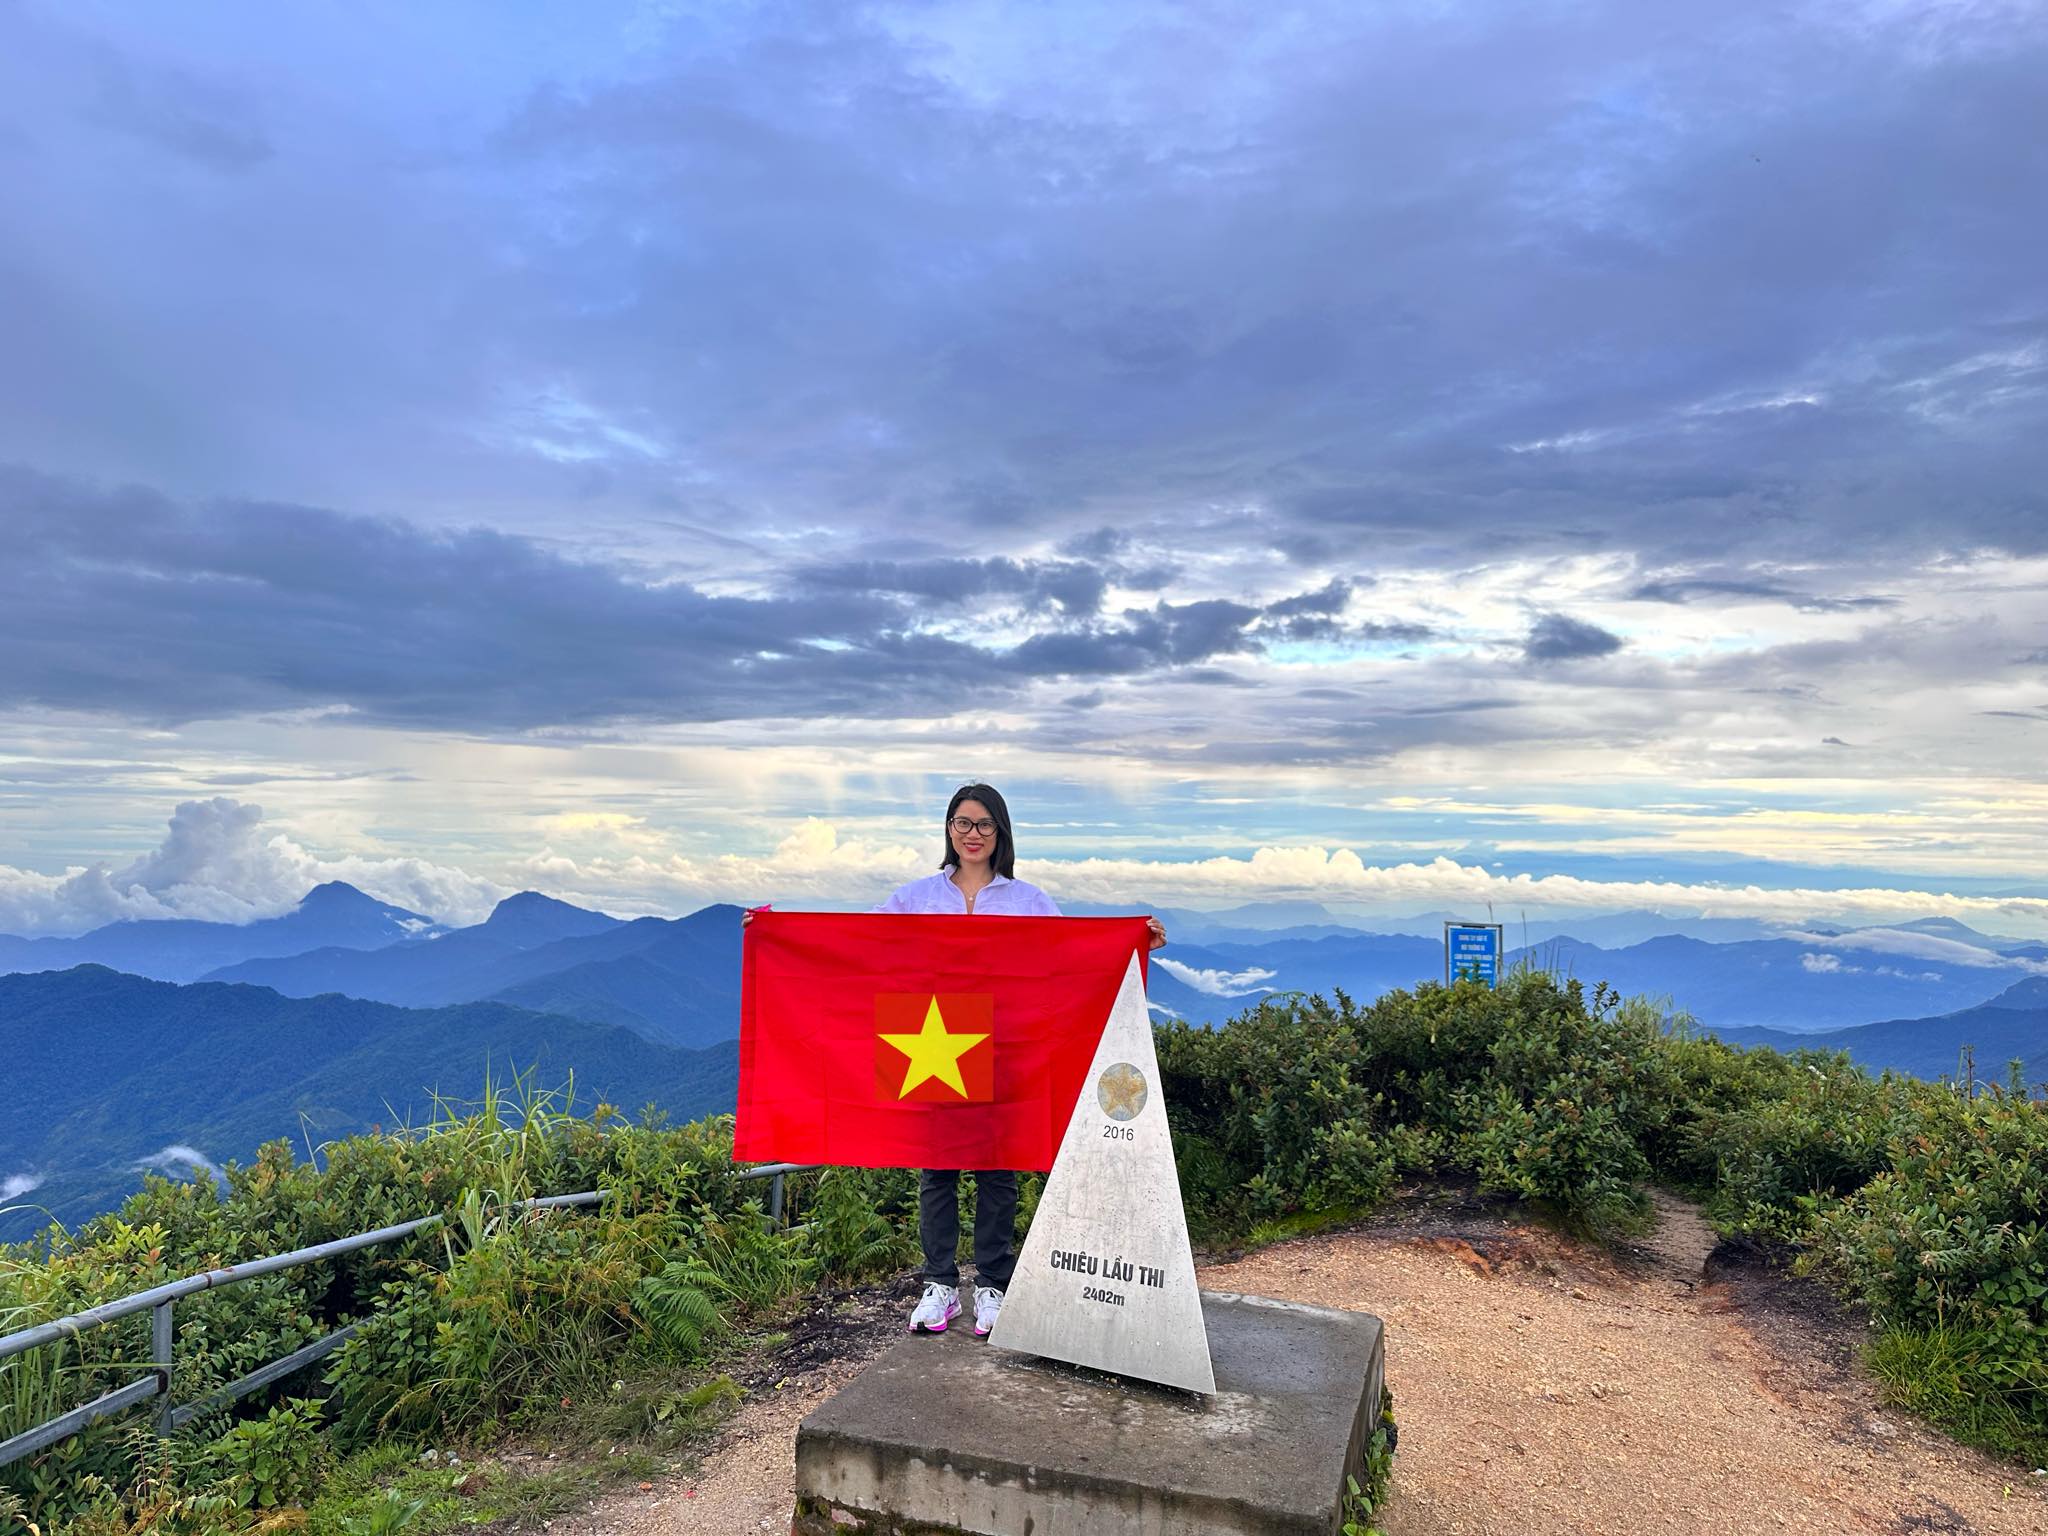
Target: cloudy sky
x,y
1580,455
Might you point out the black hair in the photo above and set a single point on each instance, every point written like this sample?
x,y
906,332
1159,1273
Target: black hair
x,y
1004,860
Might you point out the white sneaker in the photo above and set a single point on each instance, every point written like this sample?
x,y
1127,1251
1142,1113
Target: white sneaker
x,y
939,1305
988,1302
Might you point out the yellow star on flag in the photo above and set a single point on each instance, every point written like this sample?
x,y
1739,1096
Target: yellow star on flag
x,y
934,1053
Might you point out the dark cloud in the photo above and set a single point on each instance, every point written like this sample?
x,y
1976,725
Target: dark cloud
x,y
624,315
1147,578
1328,599
1844,604
1381,630
1558,637
1686,589
1699,283
1073,586
1166,635
1458,707
1096,544
1317,615
195,119
239,607
1307,615
1310,626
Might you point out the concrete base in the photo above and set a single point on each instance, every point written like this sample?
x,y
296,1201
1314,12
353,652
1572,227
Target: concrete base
x,y
947,1437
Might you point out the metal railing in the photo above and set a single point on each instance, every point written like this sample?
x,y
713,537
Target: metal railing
x,y
775,1173
158,1302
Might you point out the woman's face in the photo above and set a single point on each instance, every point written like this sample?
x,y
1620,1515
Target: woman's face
x,y
973,831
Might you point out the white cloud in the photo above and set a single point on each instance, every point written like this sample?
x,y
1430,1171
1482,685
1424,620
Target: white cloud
x,y
1341,876
177,1160
810,864
15,1185
1217,983
216,864
1826,965
1923,946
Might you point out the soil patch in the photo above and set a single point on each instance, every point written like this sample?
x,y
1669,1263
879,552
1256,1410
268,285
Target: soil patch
x,y
1573,1393
1542,1386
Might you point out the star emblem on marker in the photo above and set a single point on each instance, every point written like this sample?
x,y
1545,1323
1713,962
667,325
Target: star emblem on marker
x,y
934,1053
1121,1091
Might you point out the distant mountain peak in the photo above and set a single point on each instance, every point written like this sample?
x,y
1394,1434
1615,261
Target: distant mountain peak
x,y
333,893
2031,993
530,901
530,918
1940,927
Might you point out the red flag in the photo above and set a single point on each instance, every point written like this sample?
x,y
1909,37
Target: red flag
x,y
902,1040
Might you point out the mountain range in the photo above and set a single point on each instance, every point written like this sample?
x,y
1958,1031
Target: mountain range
x,y
1814,981
676,980
2012,1026
673,980
122,1072
346,1011
181,949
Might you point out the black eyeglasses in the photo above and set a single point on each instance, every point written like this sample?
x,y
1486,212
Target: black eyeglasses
x,y
963,826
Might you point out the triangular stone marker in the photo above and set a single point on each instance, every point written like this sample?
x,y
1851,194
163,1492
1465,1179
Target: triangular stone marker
x,y
1107,1277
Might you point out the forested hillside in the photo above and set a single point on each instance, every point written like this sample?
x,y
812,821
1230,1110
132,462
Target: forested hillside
x,y
121,1070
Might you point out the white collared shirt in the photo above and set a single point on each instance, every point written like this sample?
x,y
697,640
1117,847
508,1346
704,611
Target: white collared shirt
x,y
1001,897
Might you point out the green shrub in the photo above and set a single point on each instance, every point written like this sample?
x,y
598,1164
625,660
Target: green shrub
x,y
1928,1206
275,1459
1772,1147
495,1313
1955,1231
1562,1095
750,1268
535,1311
861,1222
1314,1104
382,1377
1274,1115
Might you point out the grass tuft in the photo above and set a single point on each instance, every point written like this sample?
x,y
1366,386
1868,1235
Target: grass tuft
x,y
1981,1394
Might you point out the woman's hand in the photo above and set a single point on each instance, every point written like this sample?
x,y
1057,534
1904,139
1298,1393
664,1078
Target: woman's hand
x,y
1157,930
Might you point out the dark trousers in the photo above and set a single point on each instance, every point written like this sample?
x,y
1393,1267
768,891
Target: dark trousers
x,y
995,1225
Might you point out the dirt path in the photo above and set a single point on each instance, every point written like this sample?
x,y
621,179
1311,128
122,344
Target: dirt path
x,y
1541,1388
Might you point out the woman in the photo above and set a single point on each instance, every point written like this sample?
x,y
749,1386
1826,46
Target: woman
x,y
977,876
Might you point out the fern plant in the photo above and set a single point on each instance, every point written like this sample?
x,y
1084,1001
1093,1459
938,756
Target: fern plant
x,y
676,1307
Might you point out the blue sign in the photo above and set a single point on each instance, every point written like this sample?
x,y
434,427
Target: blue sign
x,y
1472,949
